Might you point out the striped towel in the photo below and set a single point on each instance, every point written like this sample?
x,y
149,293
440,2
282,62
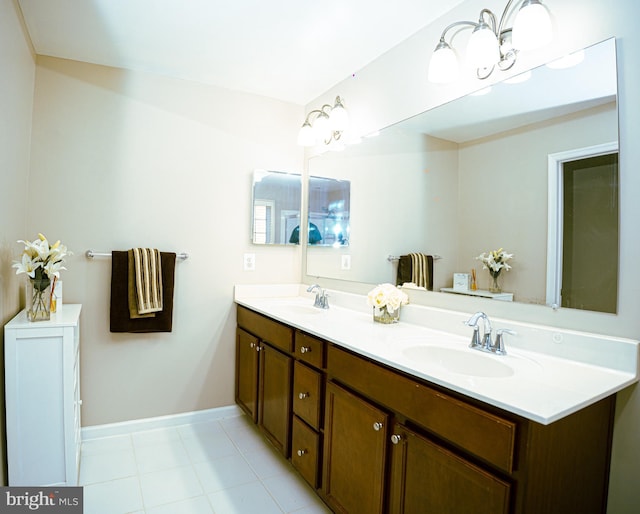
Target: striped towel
x,y
148,280
420,272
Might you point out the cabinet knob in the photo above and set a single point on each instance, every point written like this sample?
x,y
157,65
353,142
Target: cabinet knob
x,y
252,345
396,438
302,396
377,426
305,349
302,452
259,348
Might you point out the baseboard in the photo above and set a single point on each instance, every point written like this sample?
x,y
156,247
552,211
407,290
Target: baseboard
x,y
172,420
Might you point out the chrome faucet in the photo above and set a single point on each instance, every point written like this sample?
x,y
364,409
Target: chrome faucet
x,y
322,297
484,343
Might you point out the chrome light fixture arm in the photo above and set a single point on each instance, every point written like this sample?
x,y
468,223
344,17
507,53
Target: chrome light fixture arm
x,y
325,115
506,54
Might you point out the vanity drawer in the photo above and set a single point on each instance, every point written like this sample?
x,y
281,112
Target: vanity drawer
x,y
307,394
310,349
273,332
490,437
305,451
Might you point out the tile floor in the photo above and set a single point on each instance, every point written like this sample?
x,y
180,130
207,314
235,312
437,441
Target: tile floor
x,y
217,467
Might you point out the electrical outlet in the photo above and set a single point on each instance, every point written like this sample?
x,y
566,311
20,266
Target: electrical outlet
x,y
346,262
249,262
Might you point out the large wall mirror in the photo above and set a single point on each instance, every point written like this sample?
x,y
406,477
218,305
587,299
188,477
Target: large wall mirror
x,y
275,216
328,211
472,176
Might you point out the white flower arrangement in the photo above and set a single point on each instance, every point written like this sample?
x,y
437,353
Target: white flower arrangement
x,y
41,261
386,295
495,261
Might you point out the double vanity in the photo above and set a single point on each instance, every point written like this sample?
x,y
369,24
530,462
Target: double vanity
x,y
407,418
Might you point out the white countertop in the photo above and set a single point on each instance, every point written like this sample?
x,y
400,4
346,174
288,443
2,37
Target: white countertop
x,y
67,315
553,372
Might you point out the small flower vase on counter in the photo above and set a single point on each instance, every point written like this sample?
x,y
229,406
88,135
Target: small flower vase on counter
x,y
495,285
39,299
386,300
383,315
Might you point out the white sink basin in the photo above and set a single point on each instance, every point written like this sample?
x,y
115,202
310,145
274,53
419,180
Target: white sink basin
x,y
305,310
465,362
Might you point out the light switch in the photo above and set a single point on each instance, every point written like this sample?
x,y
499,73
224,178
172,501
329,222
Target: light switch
x,y
346,262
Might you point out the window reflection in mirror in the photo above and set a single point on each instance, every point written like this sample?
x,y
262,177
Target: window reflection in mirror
x,y
329,206
276,206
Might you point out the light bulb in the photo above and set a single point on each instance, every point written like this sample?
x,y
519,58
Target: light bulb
x,y
306,136
322,127
483,50
532,27
339,118
443,67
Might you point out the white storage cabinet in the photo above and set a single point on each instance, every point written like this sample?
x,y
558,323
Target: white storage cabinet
x,y
42,388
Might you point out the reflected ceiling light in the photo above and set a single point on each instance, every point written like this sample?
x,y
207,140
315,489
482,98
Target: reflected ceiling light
x,y
324,125
491,44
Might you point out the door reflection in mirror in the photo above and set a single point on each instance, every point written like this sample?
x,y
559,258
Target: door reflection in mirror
x,y
583,228
590,234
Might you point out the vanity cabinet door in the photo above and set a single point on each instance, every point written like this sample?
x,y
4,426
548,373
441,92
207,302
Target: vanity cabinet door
x,y
247,348
354,453
274,396
426,479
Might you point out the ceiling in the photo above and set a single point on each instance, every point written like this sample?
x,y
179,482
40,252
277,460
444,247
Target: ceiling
x,y
292,50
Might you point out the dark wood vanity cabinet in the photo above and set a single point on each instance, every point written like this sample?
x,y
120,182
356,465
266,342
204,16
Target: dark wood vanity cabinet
x,y
308,406
264,372
247,361
354,453
426,477
372,439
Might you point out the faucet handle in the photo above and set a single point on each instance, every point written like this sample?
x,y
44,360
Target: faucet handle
x,y
324,299
498,347
475,338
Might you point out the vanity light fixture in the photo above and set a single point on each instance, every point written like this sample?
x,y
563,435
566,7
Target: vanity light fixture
x,y
491,44
324,125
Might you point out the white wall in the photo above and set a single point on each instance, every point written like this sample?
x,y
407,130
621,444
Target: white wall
x,y
414,173
123,159
394,87
503,195
16,100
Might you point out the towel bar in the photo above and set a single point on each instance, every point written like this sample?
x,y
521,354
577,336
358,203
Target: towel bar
x,y
90,254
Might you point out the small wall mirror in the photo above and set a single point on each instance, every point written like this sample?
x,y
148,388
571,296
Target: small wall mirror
x,y
328,214
276,207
